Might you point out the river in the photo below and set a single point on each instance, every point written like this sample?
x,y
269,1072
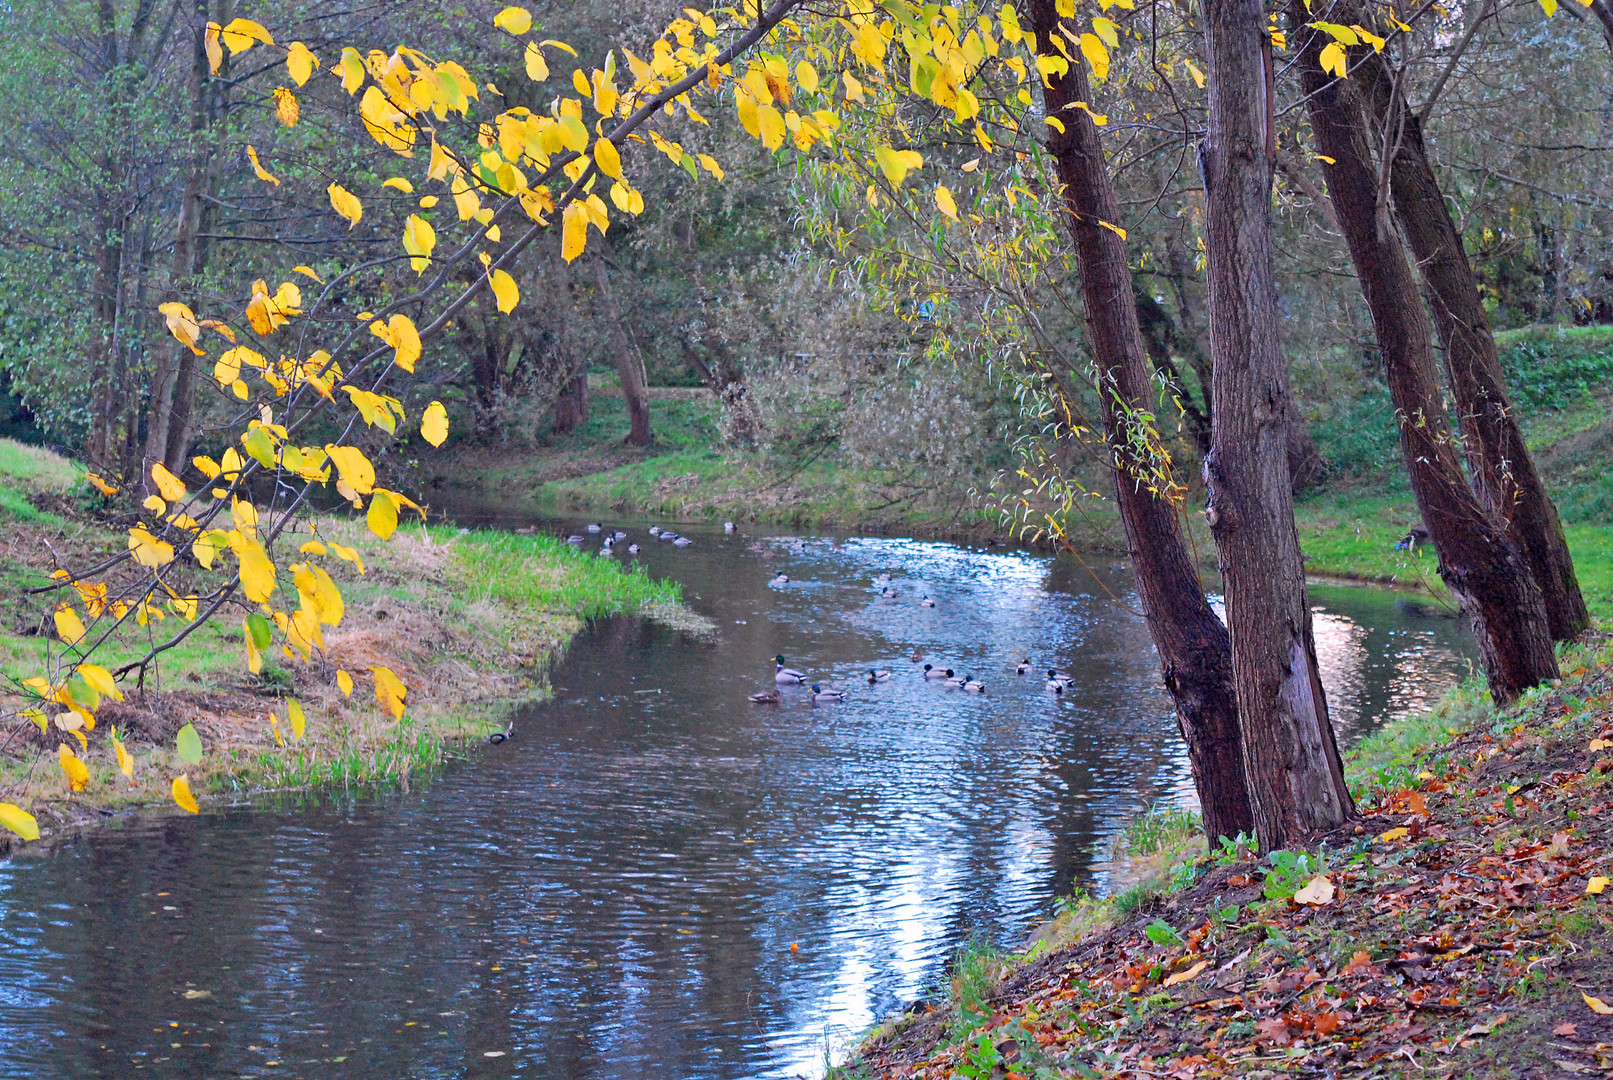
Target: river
x,y
655,878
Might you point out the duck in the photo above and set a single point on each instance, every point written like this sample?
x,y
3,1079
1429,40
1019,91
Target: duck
x,y
498,737
917,657
667,535
655,530
593,528
632,549
955,683
618,535
782,579
933,672
972,685
882,579
787,676
767,697
607,550
820,694
573,539
881,675
682,541
1055,687
1024,667
1059,676
926,602
888,594
728,526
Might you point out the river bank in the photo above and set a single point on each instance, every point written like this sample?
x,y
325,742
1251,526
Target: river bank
x,y
1460,925
469,620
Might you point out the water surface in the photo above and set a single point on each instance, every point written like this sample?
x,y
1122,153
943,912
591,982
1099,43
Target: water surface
x,y
654,877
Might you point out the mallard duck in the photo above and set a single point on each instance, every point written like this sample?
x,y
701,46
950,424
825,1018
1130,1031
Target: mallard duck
x,y
882,579
497,737
787,676
593,528
782,579
682,541
953,682
767,697
888,594
1024,667
608,549
933,672
618,535
1055,687
655,530
667,535
728,526
1059,676
632,549
878,676
972,685
820,694
916,657
573,539
926,602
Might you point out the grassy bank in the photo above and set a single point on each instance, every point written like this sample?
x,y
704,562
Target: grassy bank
x,y
1459,928
469,620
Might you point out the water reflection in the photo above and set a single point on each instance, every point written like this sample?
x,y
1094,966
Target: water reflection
x,y
615,891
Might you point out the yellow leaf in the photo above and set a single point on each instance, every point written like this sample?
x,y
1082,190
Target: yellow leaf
x,y
1395,834
101,679
1097,55
300,62
344,682
167,483
400,183
896,164
354,467
69,627
1116,229
773,126
709,163
1595,886
1198,76
1317,893
125,761
257,573
944,202
389,691
239,35
537,68
406,340
19,821
294,713
257,167
434,424
573,136
346,204
419,238
807,76
513,20
383,515
504,290
352,68
215,53
1549,6
1184,976
286,109
100,485
182,324
182,795
1598,745
78,775
1333,59
574,236
308,270
558,45
1597,1004
608,159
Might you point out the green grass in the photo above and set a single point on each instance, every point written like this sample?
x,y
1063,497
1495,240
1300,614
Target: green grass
x,y
32,470
541,573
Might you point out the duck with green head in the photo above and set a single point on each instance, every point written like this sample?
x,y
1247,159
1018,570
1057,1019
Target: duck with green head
x,y
787,676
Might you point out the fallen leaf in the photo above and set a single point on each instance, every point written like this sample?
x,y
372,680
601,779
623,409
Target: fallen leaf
x,y
1327,1023
1565,1028
1596,885
196,995
1395,834
1598,1006
1598,745
1484,1027
1317,893
1183,976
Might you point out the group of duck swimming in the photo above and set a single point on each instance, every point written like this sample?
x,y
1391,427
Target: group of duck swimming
x,y
612,538
1057,681
886,590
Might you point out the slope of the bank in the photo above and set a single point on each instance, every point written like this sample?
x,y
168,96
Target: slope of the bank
x,y
469,620
1460,927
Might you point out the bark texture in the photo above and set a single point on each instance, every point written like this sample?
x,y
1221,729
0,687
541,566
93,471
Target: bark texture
x,y
1194,648
1476,560
1295,777
629,361
1498,460
571,405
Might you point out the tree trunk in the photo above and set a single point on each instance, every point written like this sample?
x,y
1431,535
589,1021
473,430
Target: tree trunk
x,y
1498,460
1194,648
1296,780
571,405
1482,569
629,362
